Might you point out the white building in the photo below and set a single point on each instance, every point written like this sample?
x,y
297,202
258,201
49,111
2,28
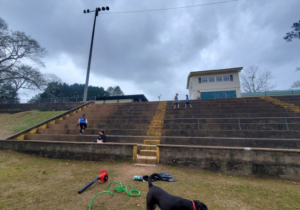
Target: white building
x,y
212,84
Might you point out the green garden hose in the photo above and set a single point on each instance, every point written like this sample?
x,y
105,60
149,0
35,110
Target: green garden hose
x,y
118,189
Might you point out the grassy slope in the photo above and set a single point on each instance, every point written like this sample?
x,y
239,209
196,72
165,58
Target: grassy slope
x,y
14,123
29,182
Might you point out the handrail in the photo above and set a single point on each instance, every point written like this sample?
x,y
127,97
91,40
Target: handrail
x,y
238,120
195,118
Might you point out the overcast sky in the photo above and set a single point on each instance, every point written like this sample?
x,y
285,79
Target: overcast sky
x,y
152,53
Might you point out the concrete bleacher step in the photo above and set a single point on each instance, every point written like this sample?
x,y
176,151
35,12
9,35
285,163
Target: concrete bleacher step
x,y
208,123
148,147
152,142
192,141
144,165
146,159
148,153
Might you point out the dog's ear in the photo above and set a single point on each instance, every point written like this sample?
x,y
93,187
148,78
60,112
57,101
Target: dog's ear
x,y
200,206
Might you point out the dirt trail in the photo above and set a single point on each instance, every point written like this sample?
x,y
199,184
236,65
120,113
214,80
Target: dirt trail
x,y
4,133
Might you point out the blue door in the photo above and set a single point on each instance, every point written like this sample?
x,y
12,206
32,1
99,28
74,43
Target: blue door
x,y
218,94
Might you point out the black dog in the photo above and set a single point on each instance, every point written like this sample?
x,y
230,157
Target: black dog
x,y
158,197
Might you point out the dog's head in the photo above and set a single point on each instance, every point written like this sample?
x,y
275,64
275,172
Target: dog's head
x,y
199,205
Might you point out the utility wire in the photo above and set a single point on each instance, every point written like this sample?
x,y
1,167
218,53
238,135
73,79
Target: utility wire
x,y
153,10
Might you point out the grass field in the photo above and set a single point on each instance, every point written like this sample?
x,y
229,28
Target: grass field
x,y
29,182
14,123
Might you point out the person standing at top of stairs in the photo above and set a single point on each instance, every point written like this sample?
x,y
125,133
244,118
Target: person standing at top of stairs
x,y
82,121
187,101
176,102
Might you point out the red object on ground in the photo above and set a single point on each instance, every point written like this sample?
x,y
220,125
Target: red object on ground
x,y
103,176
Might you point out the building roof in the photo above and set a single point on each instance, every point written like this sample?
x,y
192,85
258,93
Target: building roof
x,y
215,71
134,97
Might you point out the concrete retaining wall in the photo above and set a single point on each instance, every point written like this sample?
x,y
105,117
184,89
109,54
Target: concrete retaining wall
x,y
271,163
72,150
14,108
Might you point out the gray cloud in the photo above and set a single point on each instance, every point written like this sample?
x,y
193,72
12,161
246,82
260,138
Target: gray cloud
x,y
155,51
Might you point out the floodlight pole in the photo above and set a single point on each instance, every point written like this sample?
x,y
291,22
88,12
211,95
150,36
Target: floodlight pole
x,y
89,63
91,52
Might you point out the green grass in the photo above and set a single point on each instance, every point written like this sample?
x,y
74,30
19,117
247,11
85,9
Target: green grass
x,y
30,182
15,123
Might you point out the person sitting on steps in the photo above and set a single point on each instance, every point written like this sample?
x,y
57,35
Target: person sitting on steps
x,y
101,137
82,121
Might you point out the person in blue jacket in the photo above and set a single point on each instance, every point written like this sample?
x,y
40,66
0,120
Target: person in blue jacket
x,y
176,102
187,101
82,121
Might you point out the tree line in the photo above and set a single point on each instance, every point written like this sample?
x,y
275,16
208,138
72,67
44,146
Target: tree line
x,y
63,90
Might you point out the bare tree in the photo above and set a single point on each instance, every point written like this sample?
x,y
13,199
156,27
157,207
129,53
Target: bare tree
x,y
28,78
50,77
15,47
115,91
297,83
255,80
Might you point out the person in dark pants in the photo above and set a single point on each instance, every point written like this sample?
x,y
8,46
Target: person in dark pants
x,y
176,102
83,123
101,137
187,101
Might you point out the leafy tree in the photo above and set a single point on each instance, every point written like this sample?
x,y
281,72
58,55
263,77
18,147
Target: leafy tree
x,y
115,91
8,94
35,99
254,80
289,36
63,90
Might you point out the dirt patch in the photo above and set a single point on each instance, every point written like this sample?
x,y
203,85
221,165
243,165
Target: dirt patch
x,y
5,133
29,182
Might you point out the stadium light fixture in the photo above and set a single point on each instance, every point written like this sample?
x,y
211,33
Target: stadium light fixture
x,y
97,10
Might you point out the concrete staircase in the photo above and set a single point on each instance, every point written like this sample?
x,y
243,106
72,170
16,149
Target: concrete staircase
x,y
283,104
245,122
258,136
148,152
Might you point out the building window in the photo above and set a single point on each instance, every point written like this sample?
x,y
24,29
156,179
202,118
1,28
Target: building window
x,y
219,78
226,78
211,79
204,79
199,79
231,77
